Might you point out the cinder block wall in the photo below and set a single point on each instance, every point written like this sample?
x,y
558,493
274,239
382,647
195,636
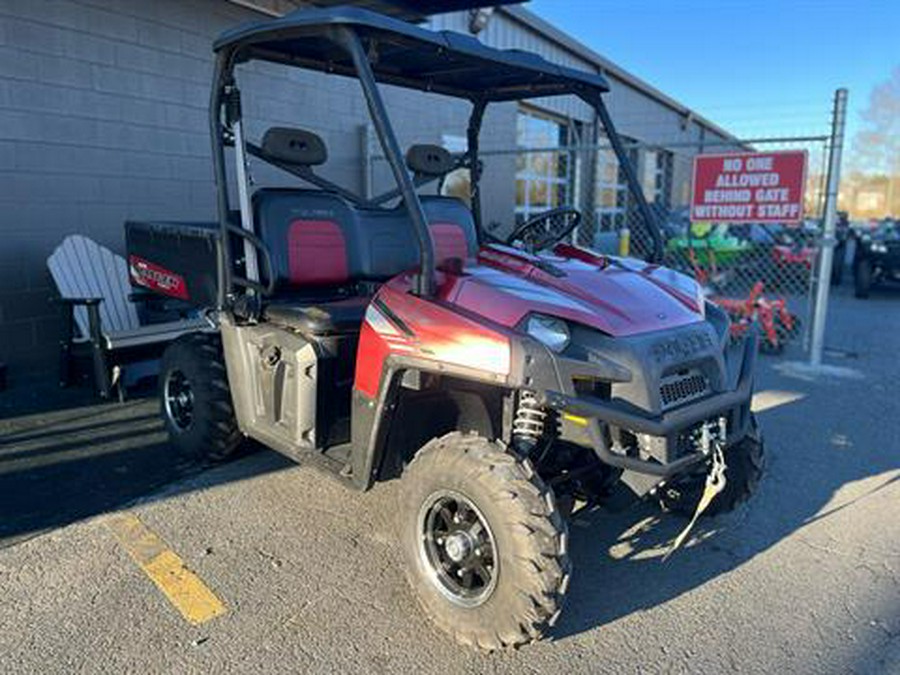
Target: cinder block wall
x,y
103,117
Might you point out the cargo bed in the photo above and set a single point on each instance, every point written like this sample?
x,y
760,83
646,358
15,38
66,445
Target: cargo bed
x,y
175,259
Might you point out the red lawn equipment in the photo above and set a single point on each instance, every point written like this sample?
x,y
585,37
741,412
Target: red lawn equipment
x,y
771,317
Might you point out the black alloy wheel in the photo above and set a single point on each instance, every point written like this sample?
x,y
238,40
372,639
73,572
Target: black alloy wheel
x,y
195,398
178,400
484,542
459,548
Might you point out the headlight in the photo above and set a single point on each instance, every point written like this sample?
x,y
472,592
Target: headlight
x,y
553,333
878,247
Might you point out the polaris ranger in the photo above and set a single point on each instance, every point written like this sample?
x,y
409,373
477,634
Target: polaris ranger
x,y
386,336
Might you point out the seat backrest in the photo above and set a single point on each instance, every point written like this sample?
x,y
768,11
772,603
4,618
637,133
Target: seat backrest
x,y
309,234
387,240
387,244
452,228
318,238
82,268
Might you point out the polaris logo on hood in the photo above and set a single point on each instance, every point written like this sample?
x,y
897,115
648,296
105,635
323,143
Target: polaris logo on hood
x,y
681,347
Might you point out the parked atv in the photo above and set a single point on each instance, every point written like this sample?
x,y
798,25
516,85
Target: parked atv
x,y
877,258
393,336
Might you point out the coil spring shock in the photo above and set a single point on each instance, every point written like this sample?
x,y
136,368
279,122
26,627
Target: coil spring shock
x,y
528,423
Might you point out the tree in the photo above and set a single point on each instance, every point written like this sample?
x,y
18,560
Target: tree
x,y
876,147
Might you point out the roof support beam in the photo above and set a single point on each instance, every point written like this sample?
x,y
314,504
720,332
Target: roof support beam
x,y
349,40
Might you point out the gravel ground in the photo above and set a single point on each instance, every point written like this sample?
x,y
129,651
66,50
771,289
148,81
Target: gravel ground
x,y
805,579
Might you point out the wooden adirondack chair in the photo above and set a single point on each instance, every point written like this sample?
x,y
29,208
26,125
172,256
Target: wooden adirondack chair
x,y
94,289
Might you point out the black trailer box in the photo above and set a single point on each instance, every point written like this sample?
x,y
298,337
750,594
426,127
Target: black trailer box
x,y
177,260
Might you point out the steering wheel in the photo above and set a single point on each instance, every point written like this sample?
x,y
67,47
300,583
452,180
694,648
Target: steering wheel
x,y
545,229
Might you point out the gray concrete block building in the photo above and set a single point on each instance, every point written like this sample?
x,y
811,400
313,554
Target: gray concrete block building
x,y
103,118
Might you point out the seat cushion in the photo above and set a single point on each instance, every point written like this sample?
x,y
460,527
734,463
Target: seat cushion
x,y
322,318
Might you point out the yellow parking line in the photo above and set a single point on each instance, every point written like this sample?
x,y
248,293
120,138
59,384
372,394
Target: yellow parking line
x,y
184,589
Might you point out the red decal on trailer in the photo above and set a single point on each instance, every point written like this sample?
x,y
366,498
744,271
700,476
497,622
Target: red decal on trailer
x,y
150,275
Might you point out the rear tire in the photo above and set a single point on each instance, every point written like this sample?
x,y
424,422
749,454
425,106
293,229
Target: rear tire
x,y
745,465
518,550
195,399
862,279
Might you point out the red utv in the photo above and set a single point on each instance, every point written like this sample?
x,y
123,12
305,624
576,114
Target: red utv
x,y
393,336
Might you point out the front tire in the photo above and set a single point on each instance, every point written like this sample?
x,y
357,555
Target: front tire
x,y
195,399
484,544
745,464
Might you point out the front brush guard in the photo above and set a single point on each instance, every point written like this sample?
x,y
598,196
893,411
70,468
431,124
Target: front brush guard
x,y
599,412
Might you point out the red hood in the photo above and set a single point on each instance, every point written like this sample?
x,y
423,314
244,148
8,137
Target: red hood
x,y
617,296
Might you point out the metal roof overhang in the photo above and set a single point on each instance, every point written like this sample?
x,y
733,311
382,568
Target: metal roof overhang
x,y
415,10
405,55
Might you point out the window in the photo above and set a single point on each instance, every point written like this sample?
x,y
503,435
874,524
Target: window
x,y
611,193
656,177
543,179
613,204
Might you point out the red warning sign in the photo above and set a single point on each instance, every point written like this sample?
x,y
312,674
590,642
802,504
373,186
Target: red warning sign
x,y
753,187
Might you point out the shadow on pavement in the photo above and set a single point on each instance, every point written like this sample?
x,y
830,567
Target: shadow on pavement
x,y
65,456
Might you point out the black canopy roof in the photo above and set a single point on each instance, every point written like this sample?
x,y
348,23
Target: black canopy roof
x,y
406,55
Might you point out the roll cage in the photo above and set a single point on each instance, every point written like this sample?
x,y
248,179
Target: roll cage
x,y
374,49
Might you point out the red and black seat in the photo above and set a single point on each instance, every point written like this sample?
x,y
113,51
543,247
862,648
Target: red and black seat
x,y
450,220
310,235
325,250
452,228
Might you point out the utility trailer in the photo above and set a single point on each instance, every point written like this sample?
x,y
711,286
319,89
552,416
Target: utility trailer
x,y
393,336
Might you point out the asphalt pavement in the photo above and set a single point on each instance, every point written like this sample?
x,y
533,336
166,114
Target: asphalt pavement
x,y
804,579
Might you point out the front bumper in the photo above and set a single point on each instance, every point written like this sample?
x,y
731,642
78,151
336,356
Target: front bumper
x,y
730,404
596,416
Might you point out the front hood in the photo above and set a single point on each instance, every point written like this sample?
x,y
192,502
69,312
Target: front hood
x,y
618,296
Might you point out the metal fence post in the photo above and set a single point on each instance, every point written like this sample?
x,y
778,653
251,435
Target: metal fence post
x,y
826,259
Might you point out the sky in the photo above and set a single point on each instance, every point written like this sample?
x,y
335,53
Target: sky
x,y
756,68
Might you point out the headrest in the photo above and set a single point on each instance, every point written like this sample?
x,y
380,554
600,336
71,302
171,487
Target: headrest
x,y
294,146
429,160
